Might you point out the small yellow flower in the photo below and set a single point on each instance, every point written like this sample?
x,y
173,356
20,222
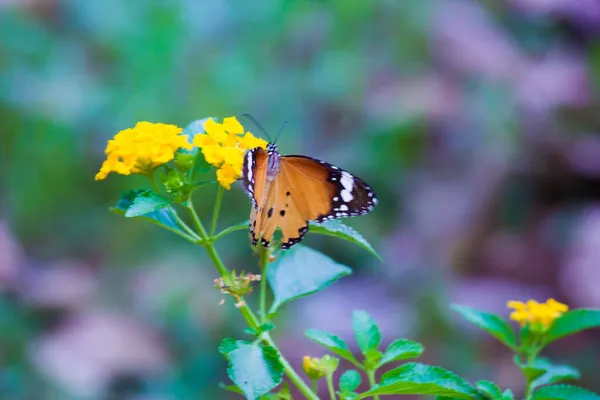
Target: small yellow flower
x,y
312,368
224,148
534,313
140,149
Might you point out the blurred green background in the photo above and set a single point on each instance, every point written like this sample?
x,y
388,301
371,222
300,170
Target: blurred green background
x,y
476,122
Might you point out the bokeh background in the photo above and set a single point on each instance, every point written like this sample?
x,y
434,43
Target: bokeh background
x,y
476,122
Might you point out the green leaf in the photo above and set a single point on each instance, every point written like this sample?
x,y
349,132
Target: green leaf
x,y
572,322
199,167
490,323
334,343
349,381
163,217
490,388
146,202
340,230
564,392
366,331
237,227
544,372
302,271
417,378
231,388
401,349
254,368
508,395
260,329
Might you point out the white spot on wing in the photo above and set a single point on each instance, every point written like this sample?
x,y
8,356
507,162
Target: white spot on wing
x,y
344,207
346,195
347,181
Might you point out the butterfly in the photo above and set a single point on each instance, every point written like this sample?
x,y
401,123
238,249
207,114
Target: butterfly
x,y
290,191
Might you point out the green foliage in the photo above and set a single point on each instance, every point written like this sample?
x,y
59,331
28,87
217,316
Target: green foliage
x,y
340,230
254,368
366,332
146,202
349,381
491,323
301,271
416,378
564,392
334,343
163,217
543,372
401,349
572,322
490,388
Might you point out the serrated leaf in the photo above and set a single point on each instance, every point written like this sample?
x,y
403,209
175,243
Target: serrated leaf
x,y
302,271
163,217
146,202
334,343
490,388
490,323
417,378
366,331
349,381
572,322
254,368
401,349
340,230
564,392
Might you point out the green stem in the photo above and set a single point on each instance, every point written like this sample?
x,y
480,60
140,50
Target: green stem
x,y
264,260
185,227
329,379
531,356
249,316
314,385
216,210
371,376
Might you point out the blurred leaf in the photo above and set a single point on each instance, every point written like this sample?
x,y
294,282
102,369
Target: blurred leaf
x,y
195,127
366,331
301,271
340,230
490,323
199,167
564,392
572,322
401,349
544,372
349,381
490,388
231,388
416,378
146,202
253,367
334,343
508,395
163,217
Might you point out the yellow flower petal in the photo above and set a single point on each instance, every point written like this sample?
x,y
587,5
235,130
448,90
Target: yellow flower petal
x,y
213,154
215,130
226,175
141,148
232,125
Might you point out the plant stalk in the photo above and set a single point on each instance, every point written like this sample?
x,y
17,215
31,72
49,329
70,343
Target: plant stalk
x,y
372,383
216,211
329,378
249,316
264,260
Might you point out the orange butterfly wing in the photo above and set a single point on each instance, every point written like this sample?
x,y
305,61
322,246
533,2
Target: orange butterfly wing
x,y
304,189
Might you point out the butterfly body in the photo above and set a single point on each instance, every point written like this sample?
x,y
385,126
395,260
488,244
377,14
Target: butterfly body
x,y
290,191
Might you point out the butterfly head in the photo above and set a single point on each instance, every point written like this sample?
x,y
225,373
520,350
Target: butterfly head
x,y
272,149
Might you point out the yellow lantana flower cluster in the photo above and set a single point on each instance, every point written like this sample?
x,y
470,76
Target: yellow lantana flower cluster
x,y
533,312
224,145
137,150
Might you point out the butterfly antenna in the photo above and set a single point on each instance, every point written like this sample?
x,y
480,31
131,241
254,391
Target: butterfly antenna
x,y
259,126
280,130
